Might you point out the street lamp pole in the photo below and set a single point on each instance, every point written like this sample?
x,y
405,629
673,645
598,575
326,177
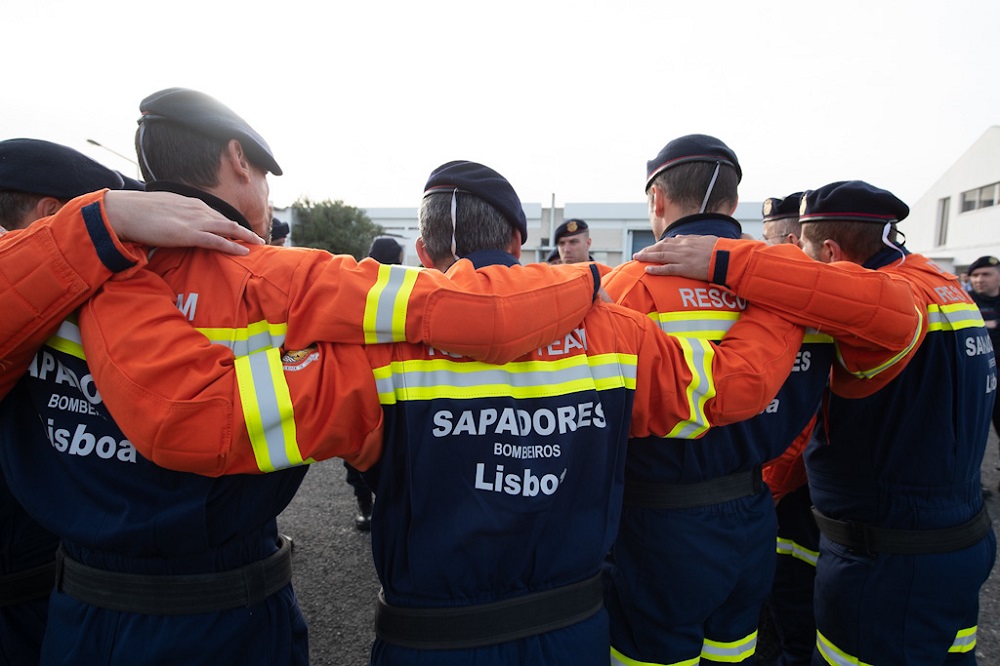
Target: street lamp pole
x,y
138,173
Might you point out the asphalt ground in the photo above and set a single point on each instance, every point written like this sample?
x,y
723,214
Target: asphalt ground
x,y
336,584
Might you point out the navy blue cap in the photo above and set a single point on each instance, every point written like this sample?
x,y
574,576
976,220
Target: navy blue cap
x,y
851,201
570,227
279,229
984,262
484,183
50,169
206,115
692,148
775,208
385,250
553,255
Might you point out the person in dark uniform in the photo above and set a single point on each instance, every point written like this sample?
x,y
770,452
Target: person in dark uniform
x,y
906,540
573,241
155,567
694,558
984,276
788,621
279,232
36,179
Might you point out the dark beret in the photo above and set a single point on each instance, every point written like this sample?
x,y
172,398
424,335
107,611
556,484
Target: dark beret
x,y
553,255
206,115
483,183
851,201
570,227
692,148
984,262
775,209
42,167
385,250
279,229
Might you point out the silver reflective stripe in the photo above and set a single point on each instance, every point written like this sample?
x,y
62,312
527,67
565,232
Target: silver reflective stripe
x,y
428,379
250,340
798,551
953,317
965,640
271,417
732,652
835,655
389,321
699,391
67,340
711,324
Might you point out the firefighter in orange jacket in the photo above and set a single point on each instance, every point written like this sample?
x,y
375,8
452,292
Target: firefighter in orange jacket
x,y
36,179
551,427
149,552
906,542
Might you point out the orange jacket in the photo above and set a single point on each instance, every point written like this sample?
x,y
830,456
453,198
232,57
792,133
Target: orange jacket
x,y
286,298
48,270
875,338
314,401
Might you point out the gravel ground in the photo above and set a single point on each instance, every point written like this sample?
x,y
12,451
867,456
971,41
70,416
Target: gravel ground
x,y
336,583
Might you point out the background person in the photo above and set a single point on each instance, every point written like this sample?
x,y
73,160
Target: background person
x,y
573,241
279,233
984,276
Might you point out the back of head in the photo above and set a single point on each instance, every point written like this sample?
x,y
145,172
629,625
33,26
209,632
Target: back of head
x,y
860,217
31,169
183,132
468,207
697,172
781,217
386,250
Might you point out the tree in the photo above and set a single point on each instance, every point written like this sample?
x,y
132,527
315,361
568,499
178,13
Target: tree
x,y
333,226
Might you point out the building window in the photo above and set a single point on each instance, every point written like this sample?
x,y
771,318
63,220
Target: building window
x,y
944,206
641,239
981,197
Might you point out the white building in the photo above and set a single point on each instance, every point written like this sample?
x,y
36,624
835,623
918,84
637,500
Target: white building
x,y
616,229
958,219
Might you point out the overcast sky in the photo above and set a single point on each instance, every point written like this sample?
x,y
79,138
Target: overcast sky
x,y
360,101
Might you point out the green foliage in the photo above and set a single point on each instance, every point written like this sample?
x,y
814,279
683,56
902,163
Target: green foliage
x,y
333,226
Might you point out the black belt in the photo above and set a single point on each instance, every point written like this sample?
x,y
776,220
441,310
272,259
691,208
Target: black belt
x,y
28,585
460,627
691,495
175,594
872,540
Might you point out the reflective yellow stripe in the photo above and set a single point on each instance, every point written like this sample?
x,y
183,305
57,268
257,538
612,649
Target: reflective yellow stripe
x,y
67,339
618,659
729,652
698,355
965,640
385,307
814,336
796,550
868,374
250,339
427,379
267,410
954,317
703,324
834,655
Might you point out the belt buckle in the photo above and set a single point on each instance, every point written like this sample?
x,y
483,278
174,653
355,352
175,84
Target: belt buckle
x,y
863,538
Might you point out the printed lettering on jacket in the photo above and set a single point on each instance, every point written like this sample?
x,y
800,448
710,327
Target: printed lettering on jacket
x,y
75,422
